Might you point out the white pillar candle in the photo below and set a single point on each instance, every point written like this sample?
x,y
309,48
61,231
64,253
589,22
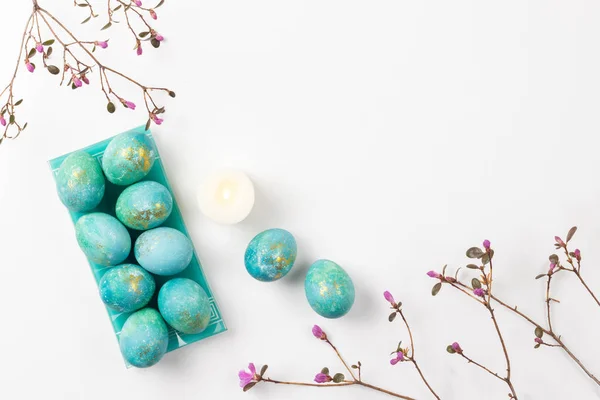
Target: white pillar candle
x,y
226,196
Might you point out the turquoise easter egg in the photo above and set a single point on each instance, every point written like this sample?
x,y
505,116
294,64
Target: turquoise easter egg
x,y
80,182
270,255
103,239
184,305
128,158
126,288
144,205
163,251
329,289
144,338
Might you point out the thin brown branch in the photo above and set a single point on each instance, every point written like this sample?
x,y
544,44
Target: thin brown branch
x,y
341,359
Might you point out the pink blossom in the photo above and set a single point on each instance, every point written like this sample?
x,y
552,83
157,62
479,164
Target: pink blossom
x,y
551,269
39,47
156,119
138,3
456,347
139,50
433,274
479,292
318,332
153,14
577,254
159,37
129,104
486,244
559,241
247,377
322,378
30,66
101,43
85,79
399,358
538,340
77,82
388,296
2,120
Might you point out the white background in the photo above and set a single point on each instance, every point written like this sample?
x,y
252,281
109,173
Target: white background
x,y
388,136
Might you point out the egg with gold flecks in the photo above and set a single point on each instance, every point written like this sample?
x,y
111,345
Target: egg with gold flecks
x,y
163,251
184,305
80,182
103,239
126,288
329,289
144,338
128,158
144,205
270,255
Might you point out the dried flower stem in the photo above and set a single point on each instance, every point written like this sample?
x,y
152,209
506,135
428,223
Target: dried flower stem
x,y
412,355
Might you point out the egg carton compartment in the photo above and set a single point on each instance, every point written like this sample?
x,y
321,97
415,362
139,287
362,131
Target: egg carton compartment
x,y
194,269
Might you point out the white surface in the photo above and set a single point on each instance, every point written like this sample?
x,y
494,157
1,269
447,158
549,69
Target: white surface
x,y
388,136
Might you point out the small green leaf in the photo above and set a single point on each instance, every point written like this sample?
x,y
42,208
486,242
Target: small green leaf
x,y
553,258
155,43
537,346
18,102
31,53
249,386
53,69
392,316
144,34
117,8
475,252
325,371
539,332
472,266
106,26
450,350
263,369
25,126
172,93
160,4
148,124
354,366
475,283
49,52
111,107
540,276
48,42
436,288
86,20
83,5
73,86
338,378
571,233
11,119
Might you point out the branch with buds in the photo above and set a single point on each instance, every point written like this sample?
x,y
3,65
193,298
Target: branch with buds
x,y
78,63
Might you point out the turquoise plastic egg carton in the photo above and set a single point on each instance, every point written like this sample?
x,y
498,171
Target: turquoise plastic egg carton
x,y
193,271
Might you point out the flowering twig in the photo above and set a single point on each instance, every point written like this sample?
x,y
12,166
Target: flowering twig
x,y
403,354
74,69
482,292
248,379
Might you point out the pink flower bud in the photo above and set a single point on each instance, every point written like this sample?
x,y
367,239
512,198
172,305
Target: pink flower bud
x,y
77,82
156,119
39,47
129,104
433,274
399,357
85,79
322,378
486,244
479,292
159,37
456,347
153,14
577,254
2,120
30,66
559,241
538,340
138,3
551,269
388,296
139,50
318,332
101,43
